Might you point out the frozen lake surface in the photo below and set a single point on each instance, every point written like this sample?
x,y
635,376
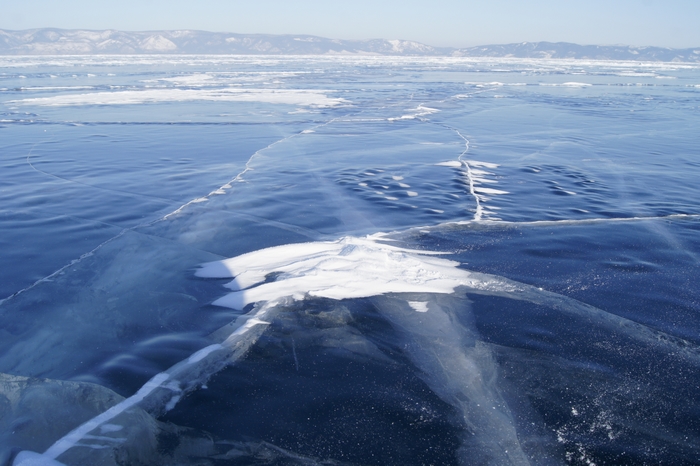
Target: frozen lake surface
x,y
349,260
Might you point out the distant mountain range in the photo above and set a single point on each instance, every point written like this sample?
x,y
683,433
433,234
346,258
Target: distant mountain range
x,y
85,42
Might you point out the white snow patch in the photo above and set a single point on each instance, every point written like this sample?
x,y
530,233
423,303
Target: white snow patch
x,y
312,98
491,191
450,163
568,84
419,306
417,112
347,268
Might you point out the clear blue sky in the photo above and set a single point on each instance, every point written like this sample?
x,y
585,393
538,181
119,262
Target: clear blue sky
x,y
670,23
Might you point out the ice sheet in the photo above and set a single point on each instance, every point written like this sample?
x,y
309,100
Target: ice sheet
x,y
418,287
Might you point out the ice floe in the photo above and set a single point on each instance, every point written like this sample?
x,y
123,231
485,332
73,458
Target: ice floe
x,y
312,98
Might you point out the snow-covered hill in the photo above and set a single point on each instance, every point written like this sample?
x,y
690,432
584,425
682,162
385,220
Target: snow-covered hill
x,y
80,42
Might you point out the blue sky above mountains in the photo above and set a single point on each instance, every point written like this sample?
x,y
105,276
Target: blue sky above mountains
x,y
669,23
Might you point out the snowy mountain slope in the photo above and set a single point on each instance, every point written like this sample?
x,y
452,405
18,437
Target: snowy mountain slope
x,y
81,42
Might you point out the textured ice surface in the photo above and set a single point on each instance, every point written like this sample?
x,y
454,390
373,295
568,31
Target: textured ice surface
x,y
558,323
